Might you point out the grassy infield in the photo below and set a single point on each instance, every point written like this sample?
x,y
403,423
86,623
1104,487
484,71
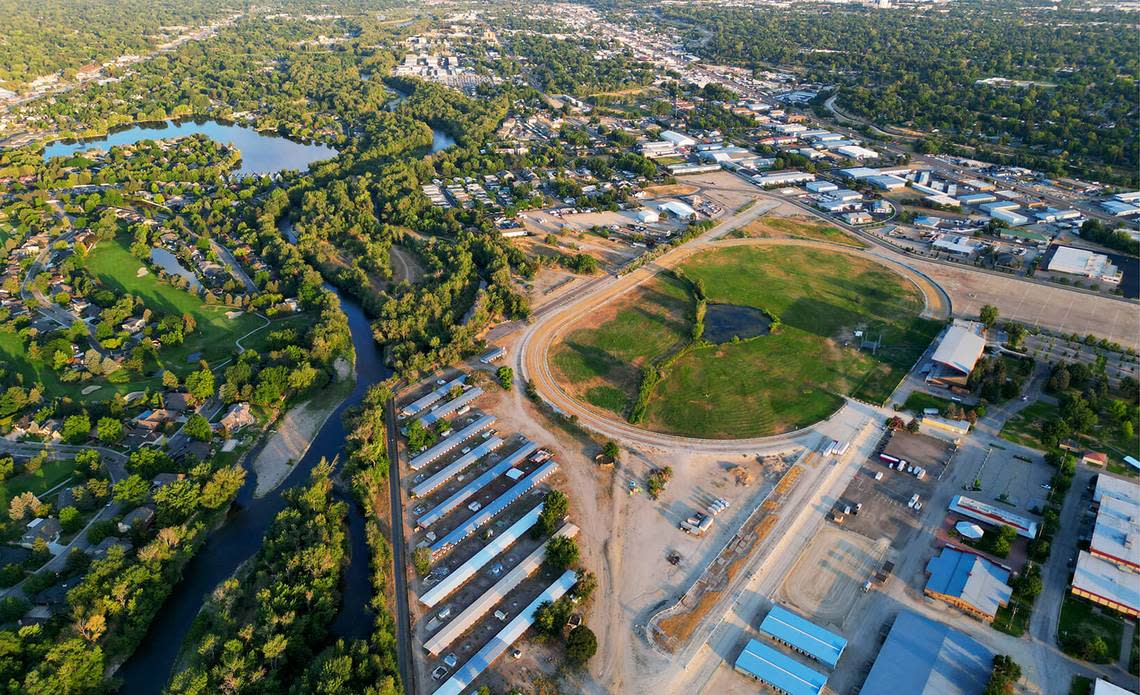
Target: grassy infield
x,y
768,384
116,268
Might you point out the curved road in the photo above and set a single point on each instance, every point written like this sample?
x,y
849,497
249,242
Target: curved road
x,y
533,353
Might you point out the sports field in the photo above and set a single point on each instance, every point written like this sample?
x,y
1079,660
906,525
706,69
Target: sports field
x,y
765,385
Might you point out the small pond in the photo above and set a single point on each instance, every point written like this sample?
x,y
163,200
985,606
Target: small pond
x,y
261,153
169,262
723,322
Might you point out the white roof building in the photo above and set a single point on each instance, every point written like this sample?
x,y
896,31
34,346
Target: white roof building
x,y
956,243
857,152
678,139
1094,266
961,347
679,209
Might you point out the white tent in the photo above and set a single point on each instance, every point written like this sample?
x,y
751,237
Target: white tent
x,y
971,531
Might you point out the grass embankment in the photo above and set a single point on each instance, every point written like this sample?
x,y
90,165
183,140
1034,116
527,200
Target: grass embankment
x,y
51,473
760,386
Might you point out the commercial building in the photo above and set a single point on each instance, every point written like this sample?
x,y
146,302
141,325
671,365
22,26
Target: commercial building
x,y
1118,208
1107,584
1109,572
886,182
687,169
803,636
506,637
976,198
1116,533
858,173
941,425
989,514
658,149
449,443
922,657
854,218
857,152
970,583
1009,217
1024,235
821,186
678,139
1103,687
1085,263
647,216
778,671
959,350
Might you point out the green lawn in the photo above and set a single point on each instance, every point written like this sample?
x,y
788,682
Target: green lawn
x,y
763,386
799,228
1083,618
112,263
602,363
1025,428
49,475
918,401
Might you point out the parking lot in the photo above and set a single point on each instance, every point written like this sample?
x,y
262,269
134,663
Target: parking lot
x,y
886,512
1009,480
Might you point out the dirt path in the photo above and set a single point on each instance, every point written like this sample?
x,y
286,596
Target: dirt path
x,y
405,267
295,432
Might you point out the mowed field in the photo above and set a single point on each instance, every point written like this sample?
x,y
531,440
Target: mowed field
x,y
767,385
600,362
776,227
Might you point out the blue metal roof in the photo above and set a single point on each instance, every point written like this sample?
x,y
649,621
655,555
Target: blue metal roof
x,y
970,578
779,670
922,657
440,510
804,635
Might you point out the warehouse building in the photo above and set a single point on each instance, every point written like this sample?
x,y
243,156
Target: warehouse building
x,y
857,152
1009,217
1109,572
821,186
1024,235
782,178
957,353
678,139
967,582
989,514
1118,208
506,637
922,657
1084,263
449,443
886,182
778,671
679,210
957,244
976,198
803,636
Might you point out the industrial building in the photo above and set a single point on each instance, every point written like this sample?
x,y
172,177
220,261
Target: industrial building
x,y
857,152
679,210
976,198
678,139
449,443
803,636
778,671
942,425
957,353
820,186
1024,235
957,244
1009,217
782,178
886,182
970,583
859,217
506,637
1085,263
922,657
989,514
647,216
1118,208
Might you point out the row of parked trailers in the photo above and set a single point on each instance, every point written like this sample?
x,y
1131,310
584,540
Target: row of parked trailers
x,y
897,464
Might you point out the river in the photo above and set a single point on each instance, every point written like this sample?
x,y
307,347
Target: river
x,y
149,668
261,153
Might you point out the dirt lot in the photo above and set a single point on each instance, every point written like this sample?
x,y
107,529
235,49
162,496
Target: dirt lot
x,y
724,188
828,578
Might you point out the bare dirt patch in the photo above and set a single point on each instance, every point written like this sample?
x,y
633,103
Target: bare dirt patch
x,y
827,579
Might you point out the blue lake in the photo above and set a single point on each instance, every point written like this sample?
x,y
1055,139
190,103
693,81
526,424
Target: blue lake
x,y
261,153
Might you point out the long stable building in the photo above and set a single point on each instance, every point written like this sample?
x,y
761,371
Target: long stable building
x,y
803,636
778,671
449,443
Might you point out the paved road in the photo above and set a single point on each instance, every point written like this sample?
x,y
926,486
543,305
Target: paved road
x,y
400,570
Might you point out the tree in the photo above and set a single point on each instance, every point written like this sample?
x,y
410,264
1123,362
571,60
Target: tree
x,y
506,377
581,644
562,552
988,315
200,384
419,437
76,428
132,490
69,519
421,560
1005,673
198,427
70,667
913,426
109,429
554,509
611,450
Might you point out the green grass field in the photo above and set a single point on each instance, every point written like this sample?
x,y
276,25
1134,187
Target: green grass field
x,y
770,384
214,337
1025,427
49,475
603,362
918,401
1080,617
769,227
